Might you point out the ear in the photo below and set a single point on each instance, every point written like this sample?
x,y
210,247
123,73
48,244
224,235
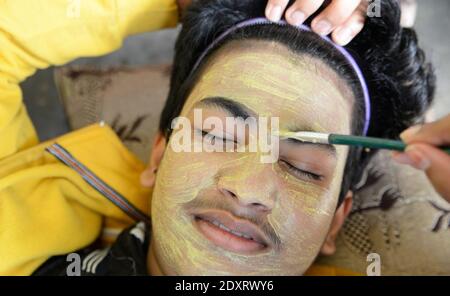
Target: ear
x,y
148,176
329,246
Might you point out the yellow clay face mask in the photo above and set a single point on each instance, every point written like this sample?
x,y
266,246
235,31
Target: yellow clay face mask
x,y
285,207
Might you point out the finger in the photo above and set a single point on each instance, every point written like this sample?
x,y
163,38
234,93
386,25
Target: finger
x,y
345,33
435,133
301,10
275,8
439,170
433,161
334,15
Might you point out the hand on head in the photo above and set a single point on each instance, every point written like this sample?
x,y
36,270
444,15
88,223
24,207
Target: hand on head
x,y
344,19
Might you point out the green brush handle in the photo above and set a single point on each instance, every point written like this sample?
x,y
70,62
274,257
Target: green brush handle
x,y
368,142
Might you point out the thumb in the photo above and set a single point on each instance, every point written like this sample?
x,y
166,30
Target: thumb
x,y
433,161
435,133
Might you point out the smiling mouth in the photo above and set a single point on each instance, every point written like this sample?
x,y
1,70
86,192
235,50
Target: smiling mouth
x,y
230,233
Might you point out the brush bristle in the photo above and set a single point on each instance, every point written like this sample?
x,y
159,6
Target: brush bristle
x,y
310,137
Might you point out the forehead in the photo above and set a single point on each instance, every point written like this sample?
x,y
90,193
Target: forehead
x,y
273,81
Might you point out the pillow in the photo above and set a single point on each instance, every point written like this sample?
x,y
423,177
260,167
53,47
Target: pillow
x,y
398,215
130,100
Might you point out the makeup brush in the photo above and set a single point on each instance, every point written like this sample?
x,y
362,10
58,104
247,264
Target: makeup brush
x,y
335,139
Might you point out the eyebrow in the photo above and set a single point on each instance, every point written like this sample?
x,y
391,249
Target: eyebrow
x,y
230,106
237,109
330,149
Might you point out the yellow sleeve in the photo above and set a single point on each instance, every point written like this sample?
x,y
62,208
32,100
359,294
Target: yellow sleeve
x,y
35,34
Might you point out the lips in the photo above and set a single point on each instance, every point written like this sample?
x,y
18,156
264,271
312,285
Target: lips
x,y
231,233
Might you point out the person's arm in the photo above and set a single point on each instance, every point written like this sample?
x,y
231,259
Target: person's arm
x,y
36,34
422,153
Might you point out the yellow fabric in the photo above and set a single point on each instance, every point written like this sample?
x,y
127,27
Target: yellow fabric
x,y
46,208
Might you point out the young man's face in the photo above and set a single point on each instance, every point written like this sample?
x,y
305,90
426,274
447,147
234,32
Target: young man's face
x,y
280,212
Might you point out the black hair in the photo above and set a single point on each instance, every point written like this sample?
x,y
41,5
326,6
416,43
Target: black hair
x,y
401,83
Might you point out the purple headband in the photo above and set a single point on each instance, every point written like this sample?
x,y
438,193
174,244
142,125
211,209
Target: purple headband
x,y
342,50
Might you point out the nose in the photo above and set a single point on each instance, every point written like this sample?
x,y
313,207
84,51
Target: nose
x,y
251,183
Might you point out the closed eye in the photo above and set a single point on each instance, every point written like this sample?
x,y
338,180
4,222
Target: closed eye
x,y
299,173
211,138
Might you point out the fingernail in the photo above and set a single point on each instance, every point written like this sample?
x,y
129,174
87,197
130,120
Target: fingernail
x,y
344,36
323,27
419,159
298,17
274,13
410,132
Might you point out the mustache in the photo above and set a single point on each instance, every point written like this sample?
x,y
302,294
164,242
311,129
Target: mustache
x,y
247,214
